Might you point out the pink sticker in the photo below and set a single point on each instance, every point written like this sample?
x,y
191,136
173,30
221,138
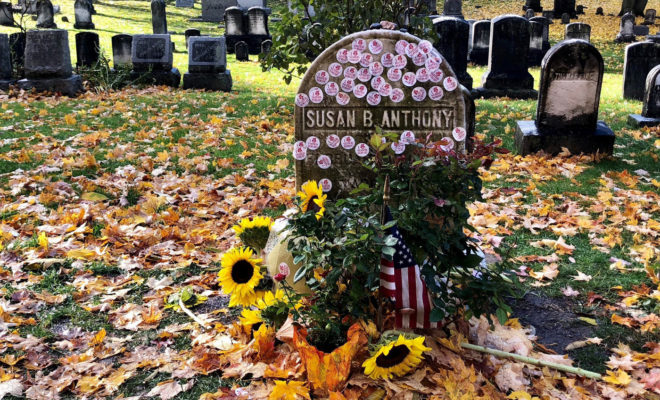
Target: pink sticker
x,y
364,75
446,144
326,184
397,95
450,84
359,44
408,137
300,145
385,89
376,68
332,141
436,93
459,134
419,59
400,61
347,85
432,63
437,75
412,50
360,91
362,150
335,70
401,46
299,150
394,74
377,82
375,46
425,46
366,60
347,142
409,79
302,100
316,95
322,77
419,93
350,72
343,98
422,75
354,56
342,56
331,89
373,98
324,162
398,147
387,60
313,143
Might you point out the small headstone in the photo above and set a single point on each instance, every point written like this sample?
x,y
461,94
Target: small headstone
x,y
565,19
579,10
17,42
453,8
565,7
546,32
627,31
480,43
651,109
550,15
242,51
6,14
214,10
452,43
159,17
87,49
639,60
266,45
649,17
569,98
641,30
5,62
83,13
578,30
121,50
507,73
152,58
207,64
529,13
190,33
600,11
534,5
45,15
48,63
536,53
185,3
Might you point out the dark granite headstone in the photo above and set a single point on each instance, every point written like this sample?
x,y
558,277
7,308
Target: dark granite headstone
x,y
87,49
247,4
6,14
627,6
266,45
185,3
242,51
578,30
649,17
569,98
480,44
6,69
452,43
152,58
534,5
207,64
546,32
257,21
565,19
190,33
45,15
213,10
234,24
453,8
651,109
579,10
639,60
565,7
627,31
121,50
507,73
641,30
159,17
536,53
600,11
83,14
640,6
17,42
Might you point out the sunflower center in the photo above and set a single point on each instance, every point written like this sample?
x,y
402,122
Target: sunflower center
x,y
312,206
242,272
395,356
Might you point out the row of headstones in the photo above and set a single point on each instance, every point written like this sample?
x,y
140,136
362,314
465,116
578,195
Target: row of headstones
x,y
247,28
83,10
47,62
213,10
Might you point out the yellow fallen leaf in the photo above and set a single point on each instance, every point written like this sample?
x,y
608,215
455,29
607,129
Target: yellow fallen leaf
x,y
81,254
93,196
70,119
589,321
43,240
617,378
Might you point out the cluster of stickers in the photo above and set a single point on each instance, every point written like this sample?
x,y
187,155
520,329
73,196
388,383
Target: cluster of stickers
x,y
376,74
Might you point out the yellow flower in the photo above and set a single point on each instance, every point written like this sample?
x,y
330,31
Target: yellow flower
x,y
312,198
396,358
245,300
293,390
256,222
239,275
254,232
253,317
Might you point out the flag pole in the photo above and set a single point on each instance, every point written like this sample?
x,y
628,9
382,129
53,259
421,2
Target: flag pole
x,y
383,214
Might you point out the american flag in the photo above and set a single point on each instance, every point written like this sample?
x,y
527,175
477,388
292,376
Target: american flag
x,y
400,280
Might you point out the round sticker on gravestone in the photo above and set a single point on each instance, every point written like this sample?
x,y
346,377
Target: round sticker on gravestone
x,y
432,63
450,84
342,56
376,46
377,82
347,142
362,150
331,88
407,137
459,134
401,46
387,60
343,98
364,75
419,93
332,141
373,98
315,95
385,89
412,50
359,44
354,56
366,60
335,70
436,93
326,185
436,76
300,150
409,79
360,91
302,100
425,46
322,77
394,74
351,72
376,68
397,95
419,59
446,144
313,143
422,75
347,84
400,61
324,162
398,147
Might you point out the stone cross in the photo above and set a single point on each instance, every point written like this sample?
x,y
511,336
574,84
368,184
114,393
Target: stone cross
x,y
480,43
640,58
452,43
83,14
578,30
159,17
579,10
121,50
45,15
87,49
651,109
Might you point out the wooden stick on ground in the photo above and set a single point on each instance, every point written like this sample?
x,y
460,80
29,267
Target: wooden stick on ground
x,y
191,315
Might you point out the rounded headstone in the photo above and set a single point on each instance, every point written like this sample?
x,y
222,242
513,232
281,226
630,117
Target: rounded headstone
x,y
87,49
453,34
651,108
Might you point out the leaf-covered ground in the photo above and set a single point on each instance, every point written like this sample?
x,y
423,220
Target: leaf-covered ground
x,y
111,203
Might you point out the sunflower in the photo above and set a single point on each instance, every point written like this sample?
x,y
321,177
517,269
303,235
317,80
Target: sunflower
x,y
253,317
239,275
395,358
312,198
254,232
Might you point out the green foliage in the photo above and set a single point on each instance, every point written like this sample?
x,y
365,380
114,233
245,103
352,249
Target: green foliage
x,y
102,77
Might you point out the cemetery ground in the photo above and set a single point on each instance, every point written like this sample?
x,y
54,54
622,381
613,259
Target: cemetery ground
x,y
112,202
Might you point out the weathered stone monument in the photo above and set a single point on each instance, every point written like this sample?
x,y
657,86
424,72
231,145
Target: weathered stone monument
x,y
45,15
627,30
641,30
121,50
569,98
247,4
185,3
536,53
406,89
214,10
250,27
48,63
452,43
87,49
190,33
534,5
83,13
565,7
453,8
578,30
6,70
480,42
651,110
639,60
152,59
159,17
507,73
546,32
242,51
207,64
649,17
6,14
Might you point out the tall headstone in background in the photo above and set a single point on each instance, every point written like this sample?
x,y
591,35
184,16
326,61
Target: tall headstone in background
x,y
534,5
546,32
569,98
152,60
6,14
45,15
214,10
159,17
507,73
651,109
452,43
639,60
48,63
627,30
207,64
87,49
83,14
480,45
453,8
565,7
536,53
257,21
121,50
578,30
185,3
5,62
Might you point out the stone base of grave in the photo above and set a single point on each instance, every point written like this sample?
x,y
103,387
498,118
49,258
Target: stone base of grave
x,y
170,78
529,140
71,86
47,26
253,42
83,26
638,121
195,80
4,84
522,94
506,85
479,57
624,39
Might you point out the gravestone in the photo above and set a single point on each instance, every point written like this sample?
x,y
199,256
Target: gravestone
x,y
340,103
48,63
234,24
87,49
190,33
536,53
600,11
45,15
640,6
565,19
651,109
214,10
185,3
17,42
257,21
452,43
207,64
152,60
83,13
579,10
453,8
159,17
565,7
6,14
534,5
121,50
578,30
529,13
546,32
627,30
507,73
639,60
641,30
549,15
635,7
649,17
242,51
6,69
480,44
250,27
266,45
569,98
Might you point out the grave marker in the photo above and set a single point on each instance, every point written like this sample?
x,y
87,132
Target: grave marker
x,y
536,53
242,51
45,15
452,43
578,30
534,5
651,109
6,69
214,10
121,50
83,14
529,13
152,57
565,18
185,3
480,42
87,49
190,33
6,14
453,8
546,32
565,7
649,17
159,17
627,30
207,64
640,58
600,11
